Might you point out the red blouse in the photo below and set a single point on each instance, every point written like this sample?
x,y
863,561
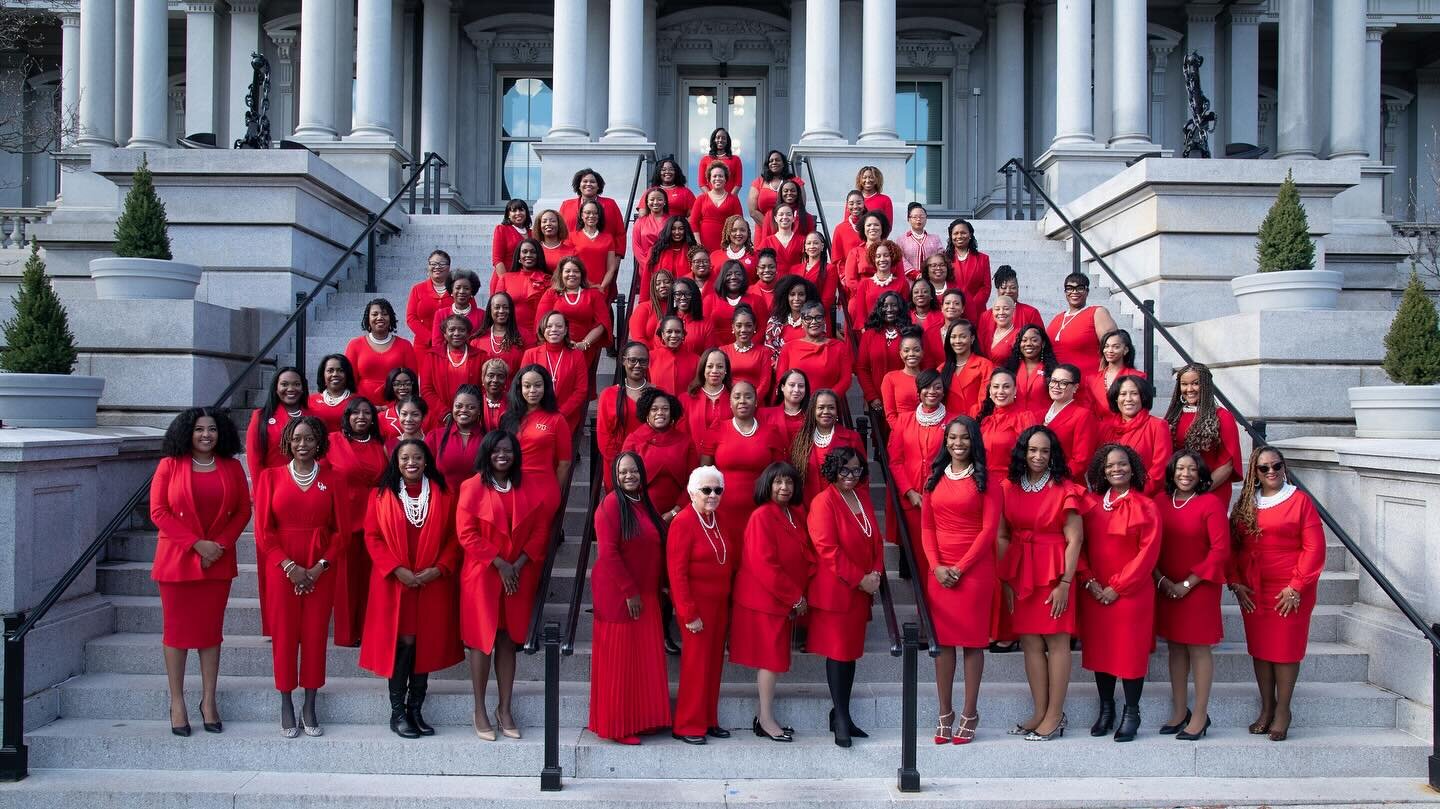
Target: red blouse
x,y
420,308
1149,436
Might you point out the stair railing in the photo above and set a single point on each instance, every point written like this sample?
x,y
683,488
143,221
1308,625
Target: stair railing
x,y
1429,632
824,228
1016,204
14,754
902,534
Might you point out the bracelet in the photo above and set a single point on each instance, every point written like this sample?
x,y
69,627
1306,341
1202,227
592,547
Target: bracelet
x,y
1068,581
287,566
1160,582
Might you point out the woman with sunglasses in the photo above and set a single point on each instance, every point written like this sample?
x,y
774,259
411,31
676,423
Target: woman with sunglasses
x,y
1076,332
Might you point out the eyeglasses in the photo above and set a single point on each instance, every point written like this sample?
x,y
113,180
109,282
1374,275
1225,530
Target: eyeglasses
x,y
1061,383
1076,288
851,471
438,264
1266,469
636,360
812,318
709,490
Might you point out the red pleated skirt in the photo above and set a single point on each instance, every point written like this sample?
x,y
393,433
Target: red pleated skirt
x,y
760,640
629,682
193,612
839,634
1193,620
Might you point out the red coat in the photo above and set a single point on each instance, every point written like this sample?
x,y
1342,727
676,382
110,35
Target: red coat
x,y
304,526
614,221
958,528
844,554
570,375
669,456
372,367
673,371
1149,436
525,290
969,386
1288,551
879,354
437,641
1194,539
826,365
707,218
778,562
491,524
440,377
624,568
420,307
257,459
174,511
504,243
753,366
1079,434
972,276
1120,550
1074,338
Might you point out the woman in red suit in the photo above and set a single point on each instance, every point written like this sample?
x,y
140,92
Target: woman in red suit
x,y
410,534
1198,423
815,268
378,350
741,446
526,283
821,433
792,395
449,365
1076,332
565,365
546,438
1032,360
871,184
285,404
426,296
588,185
848,234
960,517
700,557
504,522
615,414
669,254
585,307
1194,550
1117,359
825,360
707,397
670,181
969,267
1002,420
457,440
494,382
883,257
786,240
732,289
736,244
879,352
775,570
714,208
897,389
873,226
720,152
460,301
1073,423
672,364
595,247
1039,549
765,190
334,385
919,436
300,525
746,362
499,336
966,374
1277,554
1131,424
629,683
514,228
200,501
357,454
552,236
687,301
848,570
999,339
1117,614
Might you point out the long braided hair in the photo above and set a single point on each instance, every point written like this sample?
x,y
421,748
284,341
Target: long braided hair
x,y
1204,433
1242,517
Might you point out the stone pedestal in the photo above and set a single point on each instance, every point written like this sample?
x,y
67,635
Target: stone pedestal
x,y
1071,170
374,164
835,166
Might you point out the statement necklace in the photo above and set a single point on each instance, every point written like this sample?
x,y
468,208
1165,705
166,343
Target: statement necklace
x,y
742,350
822,440
416,508
468,308
374,341
754,425
303,481
930,419
506,490
1111,504
1038,485
576,300
962,474
331,401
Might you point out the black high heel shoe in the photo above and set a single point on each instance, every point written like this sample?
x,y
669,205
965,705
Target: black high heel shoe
x,y
181,730
785,733
1129,724
210,727
1171,730
1186,736
1105,722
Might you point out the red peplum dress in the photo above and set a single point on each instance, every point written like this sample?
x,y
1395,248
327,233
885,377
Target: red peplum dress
x,y
701,558
669,455
741,459
826,365
774,573
972,276
494,524
1122,545
1079,432
372,367
958,527
1074,338
1194,538
847,548
568,373
1149,436
358,464
1226,450
1288,551
1035,560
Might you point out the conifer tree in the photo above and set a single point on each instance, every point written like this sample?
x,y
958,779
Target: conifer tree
x,y
1285,234
38,338
141,230
1412,347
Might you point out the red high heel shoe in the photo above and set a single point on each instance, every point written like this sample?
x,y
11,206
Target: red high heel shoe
x,y
944,733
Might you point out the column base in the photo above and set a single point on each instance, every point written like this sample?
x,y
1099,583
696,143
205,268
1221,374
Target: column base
x,y
835,166
1070,171
147,143
374,164
311,135
614,160
1361,208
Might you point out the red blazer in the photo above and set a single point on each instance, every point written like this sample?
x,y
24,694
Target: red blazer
x,y
614,220
844,554
700,568
437,645
778,561
175,513
1079,434
504,243
624,568
487,530
969,386
276,535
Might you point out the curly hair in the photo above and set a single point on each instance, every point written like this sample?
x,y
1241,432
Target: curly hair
x,y
1204,432
977,455
652,395
836,459
1018,467
385,306
181,432
1095,473
876,320
1242,518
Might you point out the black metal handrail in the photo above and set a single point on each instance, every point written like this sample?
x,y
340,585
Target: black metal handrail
x,y
13,753
887,597
1016,206
902,536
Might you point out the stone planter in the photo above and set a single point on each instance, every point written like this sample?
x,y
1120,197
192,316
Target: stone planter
x,y
129,278
49,400
1291,289
1396,411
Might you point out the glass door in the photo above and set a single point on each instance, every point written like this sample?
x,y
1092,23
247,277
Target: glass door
x,y
729,103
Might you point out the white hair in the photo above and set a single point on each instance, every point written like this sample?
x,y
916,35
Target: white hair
x,y
703,474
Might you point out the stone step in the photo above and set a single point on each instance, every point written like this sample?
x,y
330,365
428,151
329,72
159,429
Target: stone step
x,y
372,748
803,706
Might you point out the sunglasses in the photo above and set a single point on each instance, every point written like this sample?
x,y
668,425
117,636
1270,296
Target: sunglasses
x,y
709,490
1266,469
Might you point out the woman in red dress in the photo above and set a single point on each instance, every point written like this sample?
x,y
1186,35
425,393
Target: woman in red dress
x,y
357,454
786,240
960,517
951,305
707,397
494,382
746,362
736,244
883,257
460,301
849,567
924,308
732,289
585,307
668,451
644,322
672,364
815,268
999,340
848,233
285,403
1277,554
588,185
775,570
669,254
821,433
670,181
629,682
792,394
650,229
566,367
456,442
400,384
378,350
412,414
792,193
504,522
334,385
1002,420
553,239
873,226
687,301
741,446
825,360
1032,360
1117,614
713,208
1198,423
426,297
765,190
514,228
595,247
919,436
879,351
785,323
1117,359
546,438
615,414
1039,549
200,501
449,365
526,283
1073,423
965,373
870,182
915,243
970,268
720,152
897,389
1076,332
410,534
1131,424
499,336
300,525
1194,550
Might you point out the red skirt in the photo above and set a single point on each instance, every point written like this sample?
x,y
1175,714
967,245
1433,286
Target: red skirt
x,y
629,682
961,614
1270,636
193,612
839,634
1118,636
1193,620
760,640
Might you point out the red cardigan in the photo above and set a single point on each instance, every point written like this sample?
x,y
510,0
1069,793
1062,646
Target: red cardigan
x,y
175,513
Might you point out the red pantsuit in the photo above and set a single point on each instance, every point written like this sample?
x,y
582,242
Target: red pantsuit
x,y
707,219
673,371
455,454
583,311
669,455
427,612
1194,540
775,571
305,527
958,527
570,375
546,440
912,448
595,255
1035,560
358,464
1120,550
1079,433
1289,551
999,431
615,419
443,373
969,386
187,506
1074,338
741,459
610,212
842,436
1149,436
702,412
878,355
972,276
898,395
752,365
847,548
629,681
372,367
789,256
525,290
1226,450
1031,389
503,244
494,524
420,307
826,365
736,177
720,312
330,415
258,458
701,556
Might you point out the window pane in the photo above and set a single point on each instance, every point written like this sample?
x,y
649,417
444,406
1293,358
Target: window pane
x,y
923,180
928,103
700,117
905,110
920,119
520,171
525,110
741,119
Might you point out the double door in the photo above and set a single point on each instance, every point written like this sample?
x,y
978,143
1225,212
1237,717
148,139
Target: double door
x,y
733,104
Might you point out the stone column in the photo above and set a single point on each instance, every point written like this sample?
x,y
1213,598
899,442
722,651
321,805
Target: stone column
x,y
567,120
851,73
597,69
650,112
627,65
124,67
282,83
797,69
1008,103
822,71
435,79
1243,90
344,55
69,73
1129,120
1372,106
149,99
1159,61
1351,96
877,110
97,72
1294,137
375,27
1103,22
200,66
1044,25
318,19
1074,116
244,40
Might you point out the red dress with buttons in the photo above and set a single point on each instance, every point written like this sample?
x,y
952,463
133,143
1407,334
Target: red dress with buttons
x,y
847,548
669,455
1122,545
492,524
775,570
1035,560
701,556
826,365
1194,540
1288,551
358,464
958,527
372,367
569,375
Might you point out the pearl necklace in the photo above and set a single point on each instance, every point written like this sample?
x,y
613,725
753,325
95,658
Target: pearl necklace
x,y
754,425
389,338
303,481
859,514
464,358
417,509
785,408
199,464
634,498
1178,505
440,289
364,440
714,397
1038,485
496,348
962,474
1111,504
734,256
506,490
745,350
294,414
1189,408
579,293
722,552
1053,411
331,401
793,322
495,405
930,419
642,386
1263,501
875,279
1065,318
470,307
822,440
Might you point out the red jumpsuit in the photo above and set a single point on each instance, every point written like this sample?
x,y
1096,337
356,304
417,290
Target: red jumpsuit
x,y
1035,560
701,562
1074,338
372,367
506,524
1149,436
1226,450
847,548
707,218
826,365
669,456
958,527
972,276
1194,539
1120,550
1289,551
358,464
774,572
740,459
569,374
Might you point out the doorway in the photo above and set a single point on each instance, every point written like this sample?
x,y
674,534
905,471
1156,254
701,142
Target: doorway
x,y
729,103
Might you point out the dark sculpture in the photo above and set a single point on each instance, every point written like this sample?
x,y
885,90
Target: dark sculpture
x,y
1202,119
257,106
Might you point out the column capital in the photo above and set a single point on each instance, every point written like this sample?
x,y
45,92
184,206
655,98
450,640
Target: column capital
x,y
284,41
244,6
482,40
200,6
1202,12
69,19
1376,31
1243,15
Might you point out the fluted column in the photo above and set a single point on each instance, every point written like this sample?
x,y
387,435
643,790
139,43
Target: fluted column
x,y
567,118
797,69
435,79
244,40
318,19
375,26
200,66
822,71
1129,122
627,66
1349,93
1008,102
877,101
1295,137
97,73
124,67
69,73
1074,115
149,99
1243,94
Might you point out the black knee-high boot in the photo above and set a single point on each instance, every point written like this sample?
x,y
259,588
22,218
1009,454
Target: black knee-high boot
x,y
400,723
840,698
415,699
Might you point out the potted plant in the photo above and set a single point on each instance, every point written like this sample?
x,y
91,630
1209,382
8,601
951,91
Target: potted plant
x,y
1411,407
36,388
142,266
1286,256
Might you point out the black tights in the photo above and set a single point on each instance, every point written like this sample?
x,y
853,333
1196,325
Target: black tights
x,y
1105,683
840,676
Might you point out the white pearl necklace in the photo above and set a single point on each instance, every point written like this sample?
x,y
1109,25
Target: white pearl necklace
x,y
754,425
930,419
642,386
389,338
416,508
506,490
464,358
962,474
1111,504
721,553
1038,485
744,350
858,512
1263,501
1065,318
822,440
793,322
467,310
210,464
332,401
573,301
303,480
1177,505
